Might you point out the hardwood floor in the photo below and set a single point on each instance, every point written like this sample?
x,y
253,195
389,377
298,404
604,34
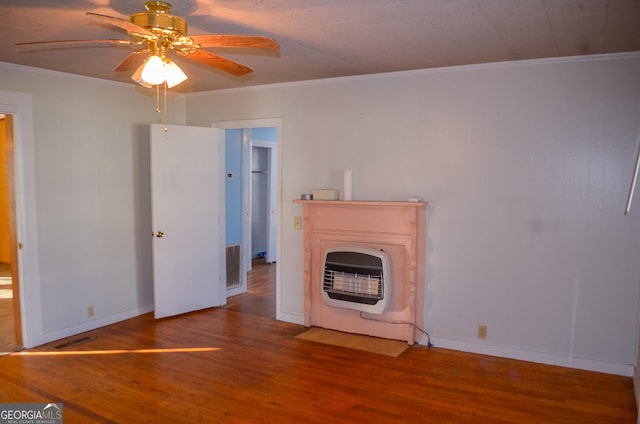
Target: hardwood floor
x,y
238,365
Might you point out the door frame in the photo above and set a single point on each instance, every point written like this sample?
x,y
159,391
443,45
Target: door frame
x,y
249,124
20,105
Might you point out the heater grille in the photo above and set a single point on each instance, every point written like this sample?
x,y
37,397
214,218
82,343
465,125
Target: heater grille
x,y
363,288
356,278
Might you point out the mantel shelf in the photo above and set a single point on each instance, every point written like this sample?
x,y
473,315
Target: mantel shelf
x,y
360,202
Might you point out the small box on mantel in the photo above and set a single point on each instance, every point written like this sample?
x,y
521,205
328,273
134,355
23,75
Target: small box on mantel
x,y
326,194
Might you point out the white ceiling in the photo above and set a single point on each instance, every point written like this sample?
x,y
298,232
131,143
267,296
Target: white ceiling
x,y
329,38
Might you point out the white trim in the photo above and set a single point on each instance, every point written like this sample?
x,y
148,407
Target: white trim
x,y
399,74
96,323
292,318
21,106
67,75
250,123
503,64
636,392
247,205
511,353
533,356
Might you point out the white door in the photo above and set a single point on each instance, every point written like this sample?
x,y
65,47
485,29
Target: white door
x,y
187,197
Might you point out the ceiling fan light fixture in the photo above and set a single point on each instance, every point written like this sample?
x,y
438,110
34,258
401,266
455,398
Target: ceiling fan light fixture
x,y
173,74
156,70
137,76
153,70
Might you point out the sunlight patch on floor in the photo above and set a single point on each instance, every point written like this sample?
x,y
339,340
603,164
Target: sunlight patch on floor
x,y
118,351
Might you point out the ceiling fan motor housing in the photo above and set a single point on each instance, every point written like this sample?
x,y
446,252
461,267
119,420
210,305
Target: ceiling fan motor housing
x,y
158,20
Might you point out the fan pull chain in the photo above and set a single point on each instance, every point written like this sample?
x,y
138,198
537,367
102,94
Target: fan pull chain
x,y
158,98
165,103
158,109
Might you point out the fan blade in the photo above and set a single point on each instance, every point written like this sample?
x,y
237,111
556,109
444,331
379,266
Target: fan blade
x,y
227,65
112,41
245,41
133,61
122,23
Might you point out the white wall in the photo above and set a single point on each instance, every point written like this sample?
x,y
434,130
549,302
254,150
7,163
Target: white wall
x,y
526,167
91,141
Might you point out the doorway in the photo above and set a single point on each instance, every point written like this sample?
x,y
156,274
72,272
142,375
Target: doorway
x,y
10,321
259,201
263,201
242,136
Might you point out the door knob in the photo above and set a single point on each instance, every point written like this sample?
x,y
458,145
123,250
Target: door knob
x,y
159,234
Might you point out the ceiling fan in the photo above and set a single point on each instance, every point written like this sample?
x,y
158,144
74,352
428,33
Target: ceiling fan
x,y
157,32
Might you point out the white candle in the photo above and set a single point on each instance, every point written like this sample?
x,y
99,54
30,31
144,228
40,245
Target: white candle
x,y
348,186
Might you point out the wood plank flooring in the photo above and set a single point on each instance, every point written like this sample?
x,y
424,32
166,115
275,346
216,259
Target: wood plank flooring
x,y
238,365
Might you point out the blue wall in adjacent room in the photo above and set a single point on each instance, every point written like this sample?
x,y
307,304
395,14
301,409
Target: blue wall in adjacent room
x,y
265,134
233,186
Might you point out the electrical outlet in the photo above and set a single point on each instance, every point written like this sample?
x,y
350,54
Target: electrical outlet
x,y
482,331
90,311
297,223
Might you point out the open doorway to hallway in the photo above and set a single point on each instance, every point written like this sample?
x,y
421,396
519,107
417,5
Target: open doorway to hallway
x,y
251,199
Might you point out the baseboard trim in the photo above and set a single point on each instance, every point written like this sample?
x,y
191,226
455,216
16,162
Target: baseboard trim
x,y
636,390
292,318
464,346
533,356
93,324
